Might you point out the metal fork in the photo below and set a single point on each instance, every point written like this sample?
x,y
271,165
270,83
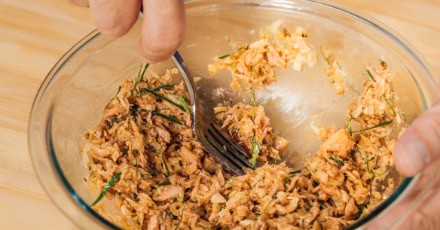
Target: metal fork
x,y
216,141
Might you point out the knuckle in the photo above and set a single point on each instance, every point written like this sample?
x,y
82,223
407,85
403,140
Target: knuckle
x,y
158,49
113,27
110,19
79,2
163,46
428,121
114,31
432,120
422,220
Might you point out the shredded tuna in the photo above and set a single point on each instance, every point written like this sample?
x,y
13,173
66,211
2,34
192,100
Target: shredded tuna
x,y
253,65
336,75
244,122
167,181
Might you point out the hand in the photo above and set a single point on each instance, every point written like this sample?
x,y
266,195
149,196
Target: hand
x,y
418,148
163,23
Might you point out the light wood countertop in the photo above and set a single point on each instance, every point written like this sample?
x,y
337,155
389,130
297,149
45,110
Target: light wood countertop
x,y
35,34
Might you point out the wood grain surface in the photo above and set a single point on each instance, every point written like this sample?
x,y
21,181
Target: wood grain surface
x,y
34,34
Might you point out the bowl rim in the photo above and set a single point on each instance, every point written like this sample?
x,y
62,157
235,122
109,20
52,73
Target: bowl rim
x,y
72,195
399,193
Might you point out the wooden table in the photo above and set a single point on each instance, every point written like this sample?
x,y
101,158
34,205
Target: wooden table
x,y
34,34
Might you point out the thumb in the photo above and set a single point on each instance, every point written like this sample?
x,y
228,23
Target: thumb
x,y
420,144
163,28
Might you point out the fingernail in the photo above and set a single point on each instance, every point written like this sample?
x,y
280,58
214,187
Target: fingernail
x,y
414,157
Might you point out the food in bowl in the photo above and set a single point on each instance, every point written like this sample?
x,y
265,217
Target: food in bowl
x,y
144,155
253,65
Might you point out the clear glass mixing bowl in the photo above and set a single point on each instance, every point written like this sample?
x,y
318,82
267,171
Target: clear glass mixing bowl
x,y
75,92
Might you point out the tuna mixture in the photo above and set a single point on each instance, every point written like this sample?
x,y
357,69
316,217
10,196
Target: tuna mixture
x,y
144,157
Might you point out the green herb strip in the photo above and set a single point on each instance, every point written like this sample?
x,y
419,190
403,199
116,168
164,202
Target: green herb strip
x,y
154,113
170,215
229,54
107,186
214,225
145,90
350,131
224,56
166,183
184,104
292,174
141,78
140,75
268,204
164,163
373,127
165,86
255,147
136,81
254,96
341,163
218,148
116,95
181,217
391,106
119,90
255,151
201,226
230,181
353,88
363,212
295,172
366,162
254,101
364,158
370,75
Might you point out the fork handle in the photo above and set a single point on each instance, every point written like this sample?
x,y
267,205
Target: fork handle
x,y
189,82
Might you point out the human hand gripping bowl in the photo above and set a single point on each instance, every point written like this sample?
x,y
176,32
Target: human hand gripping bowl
x,y
144,156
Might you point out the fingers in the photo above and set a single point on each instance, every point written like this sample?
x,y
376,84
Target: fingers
x,y
420,144
425,216
163,28
84,3
114,17
416,206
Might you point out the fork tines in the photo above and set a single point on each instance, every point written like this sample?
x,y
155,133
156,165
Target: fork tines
x,y
215,140
228,148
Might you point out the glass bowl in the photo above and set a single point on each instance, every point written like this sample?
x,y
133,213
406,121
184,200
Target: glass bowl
x,y
73,96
